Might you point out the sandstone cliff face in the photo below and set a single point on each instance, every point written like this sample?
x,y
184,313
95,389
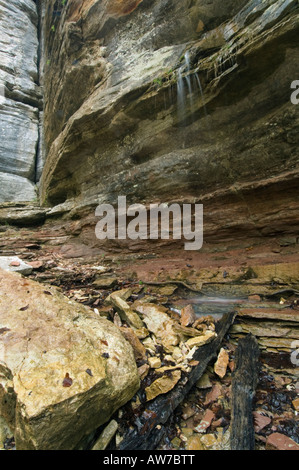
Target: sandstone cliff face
x,y
19,100
128,112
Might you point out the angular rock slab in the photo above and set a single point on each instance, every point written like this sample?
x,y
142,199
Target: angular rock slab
x,y
16,188
15,264
63,369
19,137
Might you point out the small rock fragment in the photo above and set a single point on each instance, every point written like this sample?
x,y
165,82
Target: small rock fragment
x,y
205,422
162,385
260,421
187,432
277,441
221,364
15,263
149,344
214,394
105,282
177,354
122,293
117,320
143,371
295,404
204,382
176,442
154,362
36,265
126,313
138,348
160,324
188,315
188,412
204,323
201,340
255,297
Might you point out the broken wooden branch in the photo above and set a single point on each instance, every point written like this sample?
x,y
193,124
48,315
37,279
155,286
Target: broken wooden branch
x,y
106,436
244,381
146,431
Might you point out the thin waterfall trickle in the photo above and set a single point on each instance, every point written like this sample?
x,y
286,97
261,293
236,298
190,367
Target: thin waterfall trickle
x,y
181,95
189,91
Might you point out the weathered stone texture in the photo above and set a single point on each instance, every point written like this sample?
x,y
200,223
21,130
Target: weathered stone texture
x,y
19,100
115,128
63,370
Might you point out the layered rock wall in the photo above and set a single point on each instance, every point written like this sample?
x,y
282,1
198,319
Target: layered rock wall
x,y
20,100
174,101
159,101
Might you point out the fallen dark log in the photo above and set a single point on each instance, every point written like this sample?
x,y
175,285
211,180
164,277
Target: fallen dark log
x,y
244,383
146,431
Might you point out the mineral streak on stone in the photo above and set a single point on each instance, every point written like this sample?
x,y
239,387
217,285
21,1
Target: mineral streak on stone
x,y
46,345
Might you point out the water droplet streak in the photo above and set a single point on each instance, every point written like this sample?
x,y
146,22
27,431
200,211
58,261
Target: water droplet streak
x,y
189,90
